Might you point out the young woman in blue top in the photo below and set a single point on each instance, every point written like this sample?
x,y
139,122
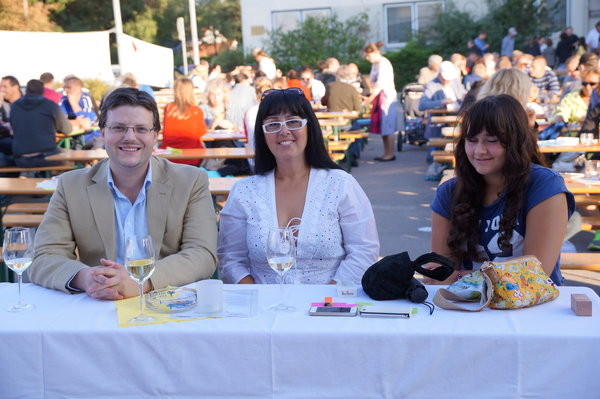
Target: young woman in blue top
x,y
502,203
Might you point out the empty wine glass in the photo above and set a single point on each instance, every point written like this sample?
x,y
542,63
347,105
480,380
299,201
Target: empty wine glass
x,y
139,262
281,256
18,254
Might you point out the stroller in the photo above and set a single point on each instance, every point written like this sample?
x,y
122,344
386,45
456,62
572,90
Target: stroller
x,y
414,128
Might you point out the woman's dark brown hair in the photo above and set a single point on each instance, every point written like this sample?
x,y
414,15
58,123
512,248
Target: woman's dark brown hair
x,y
505,118
372,47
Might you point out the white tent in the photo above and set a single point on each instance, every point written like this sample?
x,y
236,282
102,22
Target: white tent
x,y
26,55
151,64
29,54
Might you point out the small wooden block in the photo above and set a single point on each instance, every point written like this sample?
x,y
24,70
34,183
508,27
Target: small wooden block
x,y
581,305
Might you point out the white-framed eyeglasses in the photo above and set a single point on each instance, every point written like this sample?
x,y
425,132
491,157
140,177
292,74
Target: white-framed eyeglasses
x,y
290,124
122,129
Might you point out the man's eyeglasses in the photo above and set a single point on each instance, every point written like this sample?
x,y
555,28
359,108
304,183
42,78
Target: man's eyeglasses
x,y
593,84
291,90
290,124
121,129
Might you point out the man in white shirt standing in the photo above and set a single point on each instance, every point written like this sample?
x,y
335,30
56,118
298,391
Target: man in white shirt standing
x,y
591,40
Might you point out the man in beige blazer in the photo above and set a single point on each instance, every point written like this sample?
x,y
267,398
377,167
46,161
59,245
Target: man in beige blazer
x,y
77,243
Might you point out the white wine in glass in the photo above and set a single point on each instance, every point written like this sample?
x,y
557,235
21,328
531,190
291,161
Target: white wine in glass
x,y
139,263
18,254
281,256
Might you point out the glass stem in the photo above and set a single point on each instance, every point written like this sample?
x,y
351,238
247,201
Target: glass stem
x,y
281,288
19,279
141,285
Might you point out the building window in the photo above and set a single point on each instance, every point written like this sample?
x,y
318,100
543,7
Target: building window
x,y
403,20
290,20
558,13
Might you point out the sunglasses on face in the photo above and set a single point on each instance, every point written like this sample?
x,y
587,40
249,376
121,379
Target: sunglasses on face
x,y
291,90
593,84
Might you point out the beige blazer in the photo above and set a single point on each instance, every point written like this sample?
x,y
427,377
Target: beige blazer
x,y
79,226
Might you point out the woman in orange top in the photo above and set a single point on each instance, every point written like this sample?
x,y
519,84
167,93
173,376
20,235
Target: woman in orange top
x,y
184,121
294,81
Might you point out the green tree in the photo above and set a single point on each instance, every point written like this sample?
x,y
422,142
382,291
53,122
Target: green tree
x,y
12,17
317,39
407,62
224,15
150,20
453,28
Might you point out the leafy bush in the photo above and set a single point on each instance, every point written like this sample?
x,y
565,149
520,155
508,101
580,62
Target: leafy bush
x,y
230,59
407,63
318,38
453,28
98,88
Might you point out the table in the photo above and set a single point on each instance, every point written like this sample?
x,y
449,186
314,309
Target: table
x,y
570,148
223,135
577,187
337,114
543,149
189,153
70,346
28,186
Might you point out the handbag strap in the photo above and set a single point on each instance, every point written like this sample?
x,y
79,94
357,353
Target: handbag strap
x,y
445,298
447,266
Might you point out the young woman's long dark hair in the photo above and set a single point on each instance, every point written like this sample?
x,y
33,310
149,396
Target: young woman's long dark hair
x,y
292,102
504,117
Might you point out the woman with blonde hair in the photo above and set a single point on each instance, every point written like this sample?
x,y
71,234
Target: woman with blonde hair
x,y
216,109
513,82
183,120
509,81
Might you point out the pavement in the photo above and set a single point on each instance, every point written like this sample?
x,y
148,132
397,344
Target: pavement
x,y
400,197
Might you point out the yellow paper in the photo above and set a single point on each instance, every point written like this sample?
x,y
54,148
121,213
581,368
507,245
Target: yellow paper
x,y
175,150
127,309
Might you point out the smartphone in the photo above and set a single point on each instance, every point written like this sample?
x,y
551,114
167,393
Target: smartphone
x,y
343,311
385,311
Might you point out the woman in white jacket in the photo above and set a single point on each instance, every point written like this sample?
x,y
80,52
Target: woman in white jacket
x,y
296,182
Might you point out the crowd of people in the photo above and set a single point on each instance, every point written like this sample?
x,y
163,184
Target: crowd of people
x,y
495,208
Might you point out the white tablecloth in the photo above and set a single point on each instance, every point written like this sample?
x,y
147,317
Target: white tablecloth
x,y
70,347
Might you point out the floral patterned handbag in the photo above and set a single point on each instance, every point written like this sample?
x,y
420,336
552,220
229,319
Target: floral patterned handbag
x,y
515,283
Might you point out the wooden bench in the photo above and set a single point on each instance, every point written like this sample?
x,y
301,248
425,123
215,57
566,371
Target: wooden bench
x,y
20,219
439,142
339,151
580,261
447,119
444,157
587,199
590,223
56,168
27,207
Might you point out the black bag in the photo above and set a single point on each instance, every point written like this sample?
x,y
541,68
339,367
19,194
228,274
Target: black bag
x,y
392,276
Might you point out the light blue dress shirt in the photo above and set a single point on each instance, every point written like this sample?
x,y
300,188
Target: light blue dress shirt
x,y
130,219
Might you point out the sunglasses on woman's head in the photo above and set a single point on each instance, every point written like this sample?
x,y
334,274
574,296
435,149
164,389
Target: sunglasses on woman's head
x,y
290,90
589,83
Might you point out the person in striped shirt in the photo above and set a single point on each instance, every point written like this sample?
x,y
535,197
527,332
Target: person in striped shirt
x,y
544,78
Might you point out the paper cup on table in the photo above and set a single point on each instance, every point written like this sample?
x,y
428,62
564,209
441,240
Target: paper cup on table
x,y
586,138
592,169
210,296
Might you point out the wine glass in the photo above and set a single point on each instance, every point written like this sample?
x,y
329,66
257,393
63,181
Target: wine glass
x,y
139,262
18,253
281,256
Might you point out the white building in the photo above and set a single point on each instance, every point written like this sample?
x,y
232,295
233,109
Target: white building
x,y
391,21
